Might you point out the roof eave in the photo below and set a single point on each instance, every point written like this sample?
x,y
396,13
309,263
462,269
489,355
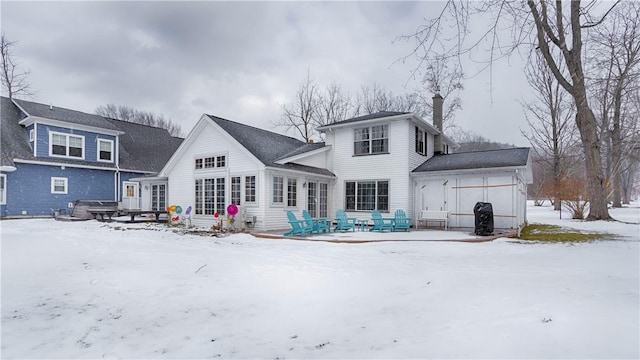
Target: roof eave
x,y
30,120
365,122
303,155
470,170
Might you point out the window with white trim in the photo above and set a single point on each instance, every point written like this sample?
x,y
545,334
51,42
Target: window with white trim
x,y
3,189
66,145
235,190
278,190
421,141
209,195
158,196
210,162
250,189
292,192
367,195
371,140
59,185
105,150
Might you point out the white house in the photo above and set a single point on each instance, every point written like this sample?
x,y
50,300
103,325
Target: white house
x,y
385,161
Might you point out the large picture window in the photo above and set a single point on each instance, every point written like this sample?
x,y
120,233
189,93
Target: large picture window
x,y
371,140
367,195
209,195
66,145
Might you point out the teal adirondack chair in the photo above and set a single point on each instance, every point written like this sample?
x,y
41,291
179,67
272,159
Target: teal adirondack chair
x,y
317,224
298,227
380,223
402,222
343,222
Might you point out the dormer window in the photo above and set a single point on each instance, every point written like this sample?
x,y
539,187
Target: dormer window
x,y
65,145
371,140
105,150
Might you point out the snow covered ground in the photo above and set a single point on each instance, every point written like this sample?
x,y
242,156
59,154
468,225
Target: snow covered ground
x,y
95,290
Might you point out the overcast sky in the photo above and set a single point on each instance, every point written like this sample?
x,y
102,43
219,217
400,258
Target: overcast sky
x,y
236,60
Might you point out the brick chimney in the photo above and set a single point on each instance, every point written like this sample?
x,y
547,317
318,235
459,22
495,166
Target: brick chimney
x,y
437,122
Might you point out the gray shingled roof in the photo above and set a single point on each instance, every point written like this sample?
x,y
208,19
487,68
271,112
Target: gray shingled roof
x,y
62,114
14,139
303,149
476,160
378,115
142,148
268,146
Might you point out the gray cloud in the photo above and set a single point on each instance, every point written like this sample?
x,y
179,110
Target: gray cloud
x,y
238,60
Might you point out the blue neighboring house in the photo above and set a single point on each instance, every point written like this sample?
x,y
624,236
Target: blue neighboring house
x,y
50,157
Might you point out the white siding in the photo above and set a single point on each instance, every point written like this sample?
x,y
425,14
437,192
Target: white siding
x,y
211,140
458,193
317,160
393,167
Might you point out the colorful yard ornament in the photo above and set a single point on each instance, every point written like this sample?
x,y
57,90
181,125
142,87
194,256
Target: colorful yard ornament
x,y
188,210
172,208
232,209
215,215
178,209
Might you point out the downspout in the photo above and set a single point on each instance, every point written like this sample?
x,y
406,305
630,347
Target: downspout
x,y
116,175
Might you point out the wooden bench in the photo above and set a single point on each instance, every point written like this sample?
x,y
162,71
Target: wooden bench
x,y
434,215
102,212
156,214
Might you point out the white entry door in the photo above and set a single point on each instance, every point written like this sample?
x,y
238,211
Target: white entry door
x,y
130,195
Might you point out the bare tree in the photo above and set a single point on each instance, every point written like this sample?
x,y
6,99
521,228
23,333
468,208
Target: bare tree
x,y
301,114
126,113
446,78
551,129
334,105
551,28
616,53
14,80
376,99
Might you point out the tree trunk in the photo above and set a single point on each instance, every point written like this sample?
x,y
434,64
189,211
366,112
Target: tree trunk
x,y
586,122
616,148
